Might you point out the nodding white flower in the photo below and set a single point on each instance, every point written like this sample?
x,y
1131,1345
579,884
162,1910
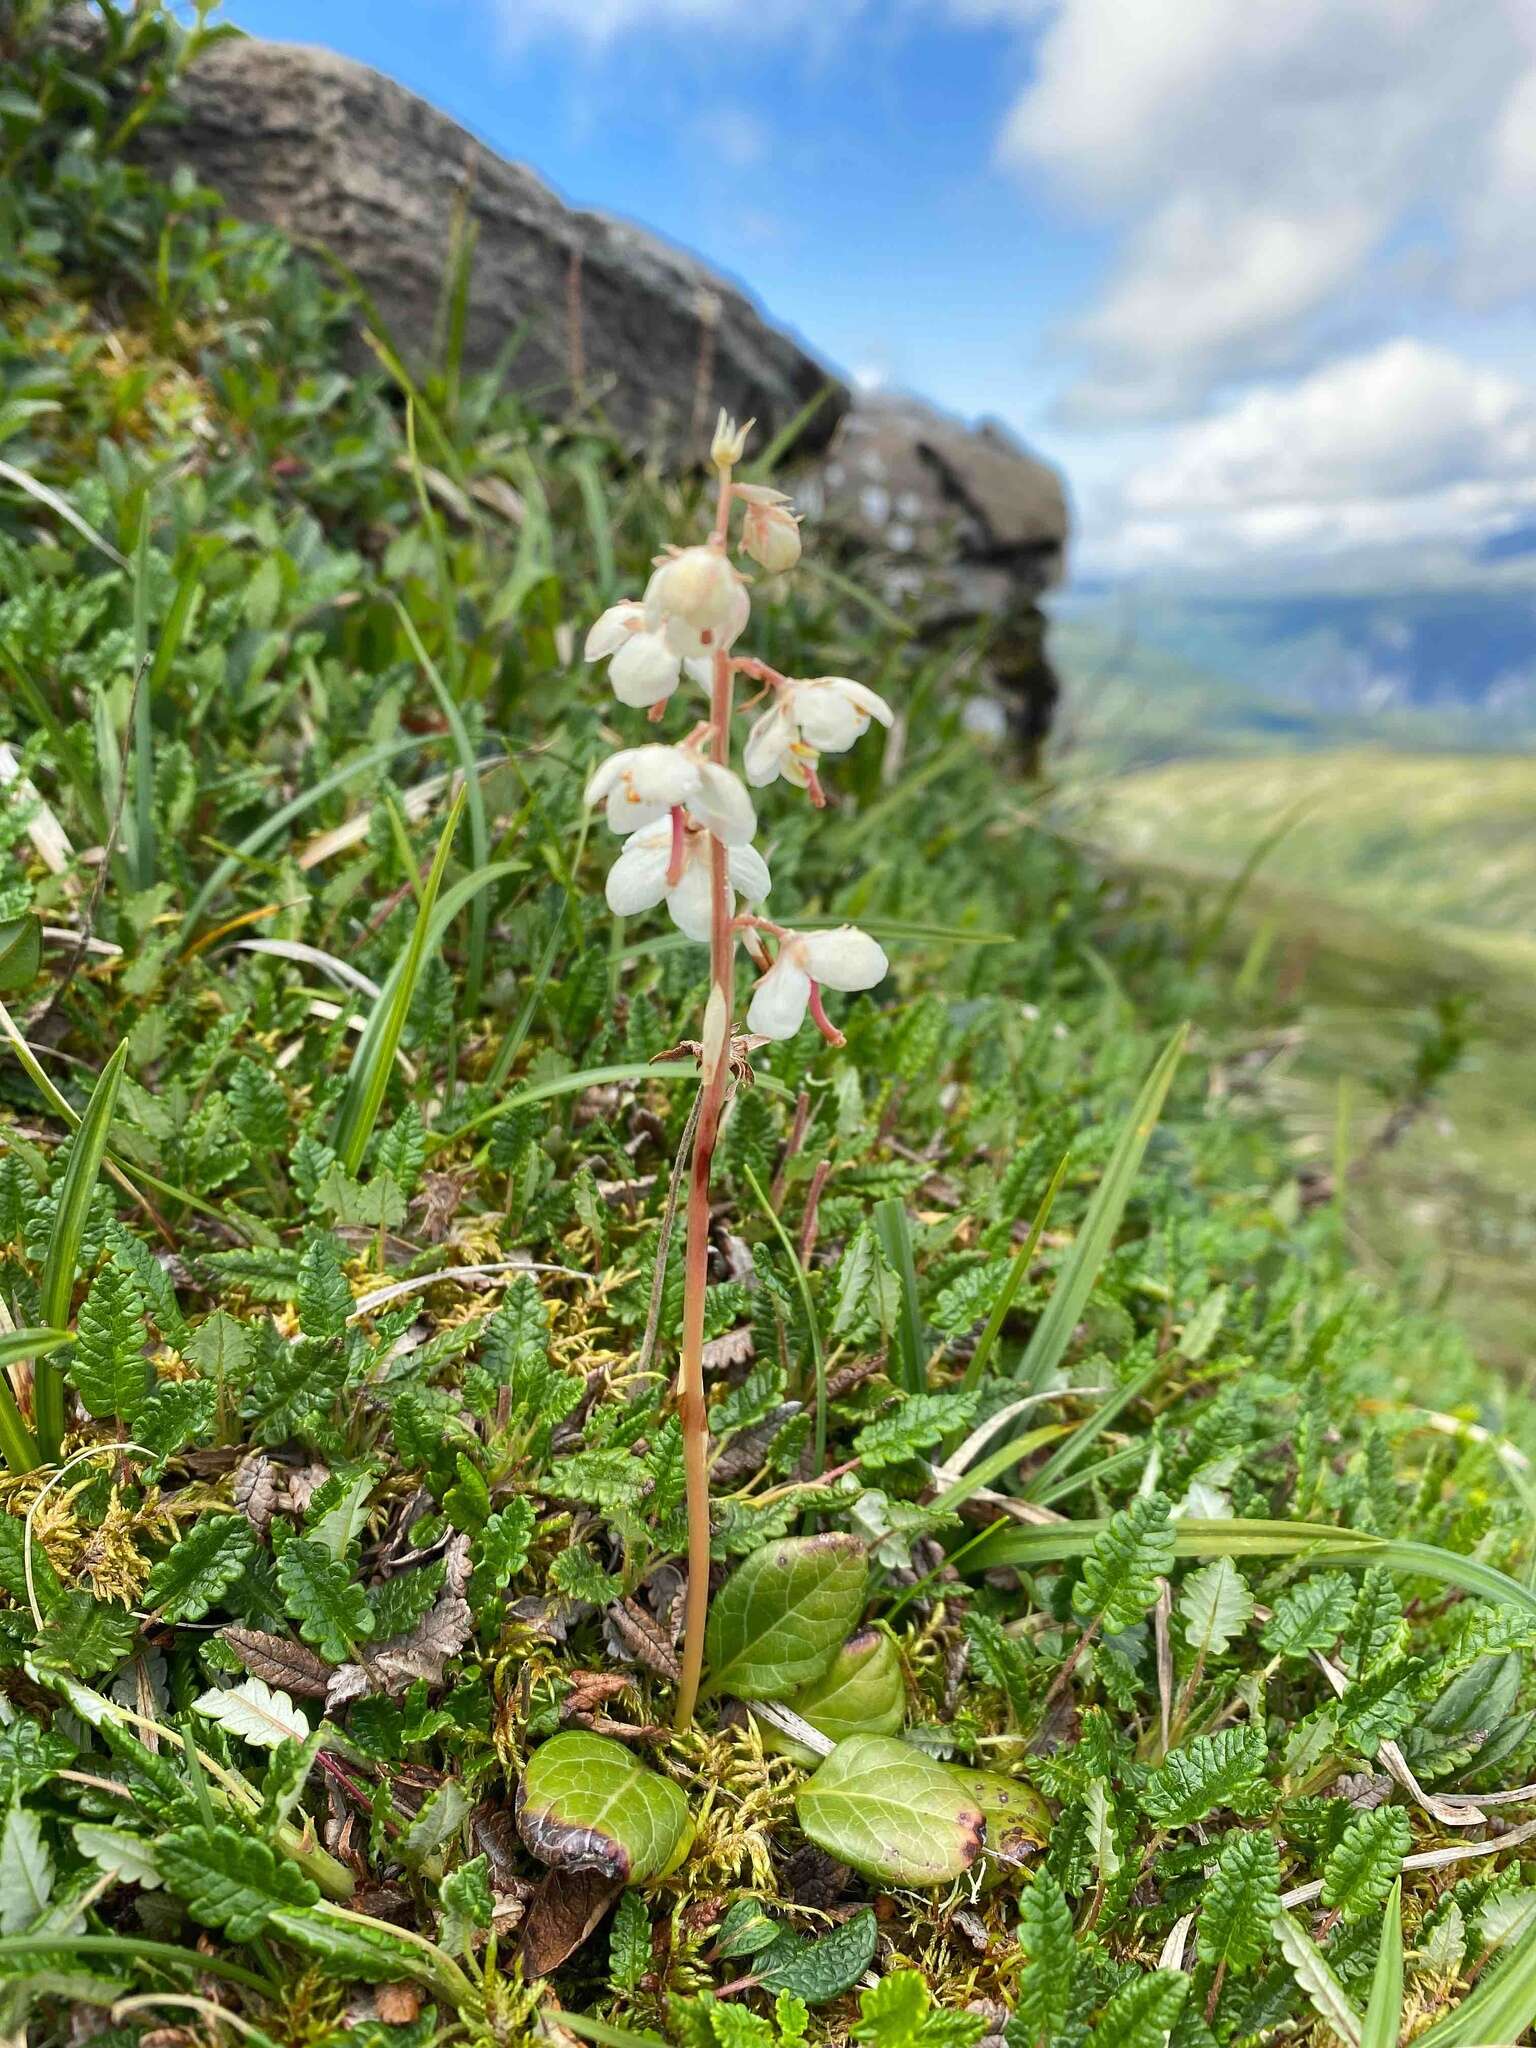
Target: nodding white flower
x,y
770,533
642,876
696,601
845,959
823,716
643,784
730,442
644,669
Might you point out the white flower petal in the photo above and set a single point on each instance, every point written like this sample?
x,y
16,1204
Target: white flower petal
x,y
826,719
609,633
767,744
638,878
748,872
845,959
644,671
698,597
689,903
720,801
777,1008
642,784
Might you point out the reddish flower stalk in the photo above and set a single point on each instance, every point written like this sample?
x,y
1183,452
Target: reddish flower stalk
x,y
687,823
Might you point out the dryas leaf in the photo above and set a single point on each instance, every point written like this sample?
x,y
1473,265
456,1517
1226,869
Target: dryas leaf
x,y
780,1618
585,1803
118,1853
26,1870
892,1813
822,1969
255,1712
229,1880
1215,1606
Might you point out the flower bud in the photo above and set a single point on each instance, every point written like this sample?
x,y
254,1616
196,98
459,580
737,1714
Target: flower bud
x,y
730,442
770,534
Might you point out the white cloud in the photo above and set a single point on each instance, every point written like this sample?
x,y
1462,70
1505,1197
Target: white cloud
x,y
1397,445
1259,159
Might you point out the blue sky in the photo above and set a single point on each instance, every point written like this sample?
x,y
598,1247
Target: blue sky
x,y
1261,279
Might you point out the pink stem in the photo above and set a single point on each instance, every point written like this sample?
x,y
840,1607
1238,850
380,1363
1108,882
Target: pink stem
x,y
679,847
692,1413
821,1020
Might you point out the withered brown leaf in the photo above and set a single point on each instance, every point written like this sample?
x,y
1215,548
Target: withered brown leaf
x,y
278,1660
565,1909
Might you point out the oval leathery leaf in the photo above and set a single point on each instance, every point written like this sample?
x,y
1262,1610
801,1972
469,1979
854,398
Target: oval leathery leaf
x,y
585,1803
1018,1819
780,1618
860,1693
892,1814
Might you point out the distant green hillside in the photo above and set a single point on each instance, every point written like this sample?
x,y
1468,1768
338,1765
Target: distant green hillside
x,y
1442,840
1402,877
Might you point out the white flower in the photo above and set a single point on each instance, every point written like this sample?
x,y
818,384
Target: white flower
x,y
638,879
642,784
845,959
770,533
644,670
696,601
823,716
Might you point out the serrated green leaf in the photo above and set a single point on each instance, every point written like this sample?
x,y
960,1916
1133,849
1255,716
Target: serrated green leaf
x,y
1239,1901
1143,2013
1362,1867
212,1556
1209,1772
1128,1557
821,1970
321,1594
229,1880
108,1366
629,1942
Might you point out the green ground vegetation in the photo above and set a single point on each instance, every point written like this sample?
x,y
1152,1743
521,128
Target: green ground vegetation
x,y
1129,1664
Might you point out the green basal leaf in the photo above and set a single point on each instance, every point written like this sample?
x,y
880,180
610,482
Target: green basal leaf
x,y
862,1692
778,1621
587,1803
893,1814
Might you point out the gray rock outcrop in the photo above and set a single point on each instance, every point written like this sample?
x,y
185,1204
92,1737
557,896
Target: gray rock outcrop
x,y
335,153
961,522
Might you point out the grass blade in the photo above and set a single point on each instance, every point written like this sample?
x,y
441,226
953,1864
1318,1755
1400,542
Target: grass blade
x,y
1498,2009
813,1328
79,1184
981,1356
1053,1332
1062,1460
142,739
1310,1542
17,1442
1384,2014
895,1235
271,827
369,1075
479,829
